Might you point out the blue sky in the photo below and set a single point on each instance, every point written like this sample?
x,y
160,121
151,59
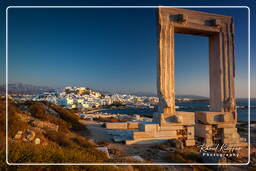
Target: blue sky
x,y
111,49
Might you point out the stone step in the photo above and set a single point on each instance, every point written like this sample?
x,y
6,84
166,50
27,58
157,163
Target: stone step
x,y
171,128
148,127
166,133
137,135
149,140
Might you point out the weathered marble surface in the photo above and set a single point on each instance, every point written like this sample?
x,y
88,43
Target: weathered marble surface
x,y
215,126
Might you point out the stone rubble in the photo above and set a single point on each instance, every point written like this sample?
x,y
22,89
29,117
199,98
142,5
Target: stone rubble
x,y
37,141
18,135
29,135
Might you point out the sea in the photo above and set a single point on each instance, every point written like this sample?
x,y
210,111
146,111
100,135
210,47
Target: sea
x,y
242,109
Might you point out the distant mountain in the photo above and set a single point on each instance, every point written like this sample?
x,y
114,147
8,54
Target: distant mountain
x,y
20,88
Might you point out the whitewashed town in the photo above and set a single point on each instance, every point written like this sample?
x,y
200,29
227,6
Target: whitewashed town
x,y
84,98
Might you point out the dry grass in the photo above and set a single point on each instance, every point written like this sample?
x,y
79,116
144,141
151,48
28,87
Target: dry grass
x,y
38,111
67,116
29,153
14,122
102,143
61,148
181,156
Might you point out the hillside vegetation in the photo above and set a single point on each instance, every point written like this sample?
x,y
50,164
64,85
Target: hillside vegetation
x,y
41,132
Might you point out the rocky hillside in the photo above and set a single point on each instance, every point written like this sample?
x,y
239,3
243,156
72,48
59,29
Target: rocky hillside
x,y
41,132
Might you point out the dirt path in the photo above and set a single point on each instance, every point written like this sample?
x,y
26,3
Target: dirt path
x,y
98,133
148,152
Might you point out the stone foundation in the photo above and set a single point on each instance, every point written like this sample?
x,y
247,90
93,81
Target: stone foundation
x,y
207,128
180,126
153,133
217,128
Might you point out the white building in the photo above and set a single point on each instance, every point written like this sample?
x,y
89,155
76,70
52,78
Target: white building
x,y
65,101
